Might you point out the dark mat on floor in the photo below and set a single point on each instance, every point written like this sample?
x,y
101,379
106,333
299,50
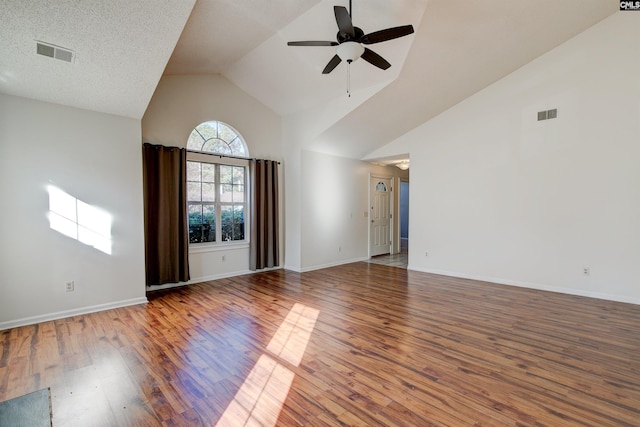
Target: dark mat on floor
x,y
30,410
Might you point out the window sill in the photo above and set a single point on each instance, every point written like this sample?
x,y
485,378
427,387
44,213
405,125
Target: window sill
x,y
216,247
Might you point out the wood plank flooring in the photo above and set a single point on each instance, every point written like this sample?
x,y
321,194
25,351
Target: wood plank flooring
x,y
360,344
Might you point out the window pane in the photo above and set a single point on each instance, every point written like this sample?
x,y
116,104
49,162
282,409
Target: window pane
x,y
195,214
232,223
208,192
209,130
238,214
195,223
193,171
209,226
226,174
208,172
381,186
238,231
195,141
216,146
237,148
208,233
238,175
194,191
225,133
226,223
195,233
238,193
209,214
226,193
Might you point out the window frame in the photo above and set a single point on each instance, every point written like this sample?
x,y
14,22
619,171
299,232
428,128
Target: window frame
x,y
223,160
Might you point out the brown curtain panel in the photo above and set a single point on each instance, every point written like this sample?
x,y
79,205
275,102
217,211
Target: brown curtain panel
x,y
166,225
265,247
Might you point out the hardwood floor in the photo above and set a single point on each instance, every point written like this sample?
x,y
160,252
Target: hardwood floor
x,y
361,344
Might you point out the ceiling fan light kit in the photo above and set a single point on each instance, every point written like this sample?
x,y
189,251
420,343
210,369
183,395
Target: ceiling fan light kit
x,y
350,51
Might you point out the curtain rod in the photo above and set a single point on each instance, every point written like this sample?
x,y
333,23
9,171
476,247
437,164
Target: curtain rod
x,y
224,155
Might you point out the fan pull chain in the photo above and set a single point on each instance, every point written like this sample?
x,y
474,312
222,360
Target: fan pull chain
x,y
349,78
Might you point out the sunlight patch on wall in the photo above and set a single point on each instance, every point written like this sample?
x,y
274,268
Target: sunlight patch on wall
x,y
79,220
262,395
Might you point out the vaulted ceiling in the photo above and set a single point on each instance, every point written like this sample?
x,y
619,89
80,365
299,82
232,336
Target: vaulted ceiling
x,y
122,48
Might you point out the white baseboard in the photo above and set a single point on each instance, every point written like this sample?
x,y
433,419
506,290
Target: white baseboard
x,y
537,286
69,313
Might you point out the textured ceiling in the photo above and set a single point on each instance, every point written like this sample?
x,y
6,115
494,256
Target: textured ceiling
x,y
122,48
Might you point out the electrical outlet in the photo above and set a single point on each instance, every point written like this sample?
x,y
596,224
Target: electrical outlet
x,y
70,286
224,258
586,271
339,248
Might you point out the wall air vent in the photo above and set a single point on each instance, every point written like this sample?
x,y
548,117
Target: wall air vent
x,y
53,51
548,115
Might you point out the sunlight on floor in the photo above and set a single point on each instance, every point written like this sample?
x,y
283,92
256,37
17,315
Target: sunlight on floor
x,y
260,399
290,341
262,395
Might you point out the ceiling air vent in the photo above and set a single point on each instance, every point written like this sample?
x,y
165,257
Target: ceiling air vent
x,y
53,51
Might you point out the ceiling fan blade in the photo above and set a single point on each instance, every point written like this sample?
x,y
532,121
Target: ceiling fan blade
x,y
388,34
344,21
312,43
332,64
373,58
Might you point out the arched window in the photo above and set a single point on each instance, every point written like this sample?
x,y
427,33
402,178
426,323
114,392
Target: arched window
x,y
218,138
217,194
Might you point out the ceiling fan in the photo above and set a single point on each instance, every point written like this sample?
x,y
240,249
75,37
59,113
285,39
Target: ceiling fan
x,y
350,41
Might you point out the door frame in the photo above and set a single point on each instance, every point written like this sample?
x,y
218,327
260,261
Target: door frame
x,y
399,231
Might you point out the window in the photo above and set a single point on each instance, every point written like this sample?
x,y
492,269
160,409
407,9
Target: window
x,y
218,138
216,186
381,186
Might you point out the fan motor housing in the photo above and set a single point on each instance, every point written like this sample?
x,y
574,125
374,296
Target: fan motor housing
x,y
341,37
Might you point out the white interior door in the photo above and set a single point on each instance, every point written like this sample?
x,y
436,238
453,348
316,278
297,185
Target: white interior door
x,y
380,216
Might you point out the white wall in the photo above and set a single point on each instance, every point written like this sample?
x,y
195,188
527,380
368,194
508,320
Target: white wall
x,y
178,105
93,156
497,195
334,197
